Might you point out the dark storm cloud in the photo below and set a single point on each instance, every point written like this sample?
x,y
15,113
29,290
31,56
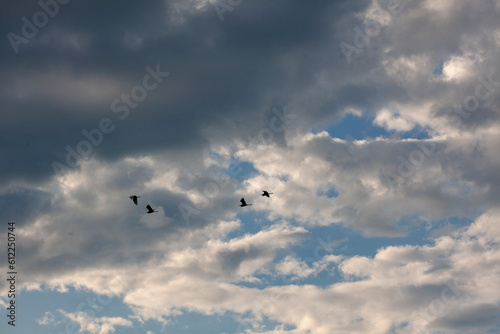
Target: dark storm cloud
x,y
222,74
23,205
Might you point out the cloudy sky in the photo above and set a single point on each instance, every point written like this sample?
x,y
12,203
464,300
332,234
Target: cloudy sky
x,y
374,123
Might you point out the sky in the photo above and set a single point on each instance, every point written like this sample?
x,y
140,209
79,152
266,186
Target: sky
x,y
375,124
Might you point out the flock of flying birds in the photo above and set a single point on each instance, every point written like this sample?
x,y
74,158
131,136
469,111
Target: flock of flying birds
x,y
134,199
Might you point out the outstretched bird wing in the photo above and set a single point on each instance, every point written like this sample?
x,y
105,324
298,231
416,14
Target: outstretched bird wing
x,y
134,199
150,209
243,201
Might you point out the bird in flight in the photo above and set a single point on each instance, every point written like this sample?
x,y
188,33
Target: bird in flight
x,y
134,198
150,209
243,203
265,193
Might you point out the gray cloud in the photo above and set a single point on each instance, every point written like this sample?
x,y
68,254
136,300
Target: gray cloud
x,y
469,319
224,80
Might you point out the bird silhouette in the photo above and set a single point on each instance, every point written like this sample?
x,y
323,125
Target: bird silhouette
x,y
134,198
150,209
265,193
243,203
